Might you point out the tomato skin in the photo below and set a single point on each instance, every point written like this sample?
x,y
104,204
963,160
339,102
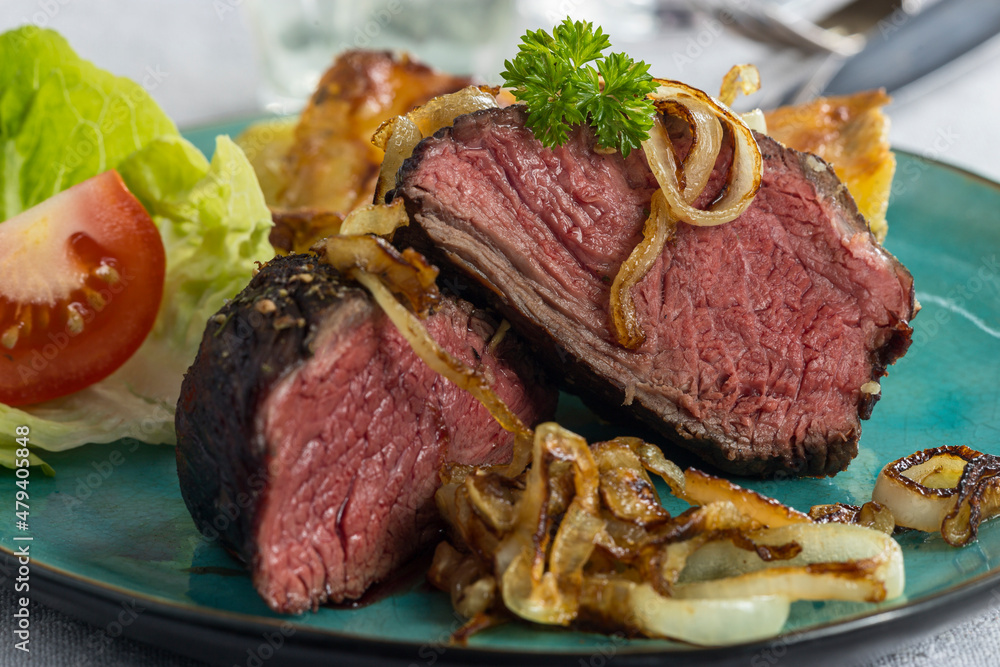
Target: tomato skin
x,y
81,287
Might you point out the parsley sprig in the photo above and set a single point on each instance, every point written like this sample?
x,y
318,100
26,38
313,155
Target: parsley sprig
x,y
552,74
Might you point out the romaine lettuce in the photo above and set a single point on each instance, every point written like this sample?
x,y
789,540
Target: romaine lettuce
x,y
63,120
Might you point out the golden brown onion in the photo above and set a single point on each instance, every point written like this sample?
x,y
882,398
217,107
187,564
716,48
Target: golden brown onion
x,y
407,274
380,269
681,185
399,136
744,174
948,489
403,138
739,79
659,228
701,488
378,219
578,539
871,515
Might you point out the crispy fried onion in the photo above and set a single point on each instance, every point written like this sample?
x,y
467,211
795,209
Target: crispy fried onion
x,y
743,79
948,489
378,219
871,515
399,136
739,79
681,183
581,539
383,271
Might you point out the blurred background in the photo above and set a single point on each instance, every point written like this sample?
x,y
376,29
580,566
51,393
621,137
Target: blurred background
x,y
211,60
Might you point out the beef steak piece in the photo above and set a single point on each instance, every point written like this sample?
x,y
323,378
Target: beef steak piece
x,y
760,333
310,434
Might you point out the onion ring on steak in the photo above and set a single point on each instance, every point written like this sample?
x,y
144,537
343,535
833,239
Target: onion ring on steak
x,y
682,183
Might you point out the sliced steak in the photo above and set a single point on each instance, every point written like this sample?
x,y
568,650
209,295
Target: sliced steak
x,y
759,333
310,435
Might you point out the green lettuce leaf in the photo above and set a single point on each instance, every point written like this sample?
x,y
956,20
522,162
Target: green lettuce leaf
x,y
212,218
63,120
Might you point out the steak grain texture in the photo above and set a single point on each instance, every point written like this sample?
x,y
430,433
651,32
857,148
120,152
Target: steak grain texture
x,y
759,333
310,435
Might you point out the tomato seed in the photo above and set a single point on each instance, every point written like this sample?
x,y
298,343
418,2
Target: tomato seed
x,y
94,298
74,320
108,274
9,338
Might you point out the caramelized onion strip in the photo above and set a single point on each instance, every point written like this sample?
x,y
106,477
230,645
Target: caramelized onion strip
x,y
744,173
381,270
400,135
378,219
437,358
680,187
701,488
534,587
403,137
577,539
739,79
870,515
834,562
657,231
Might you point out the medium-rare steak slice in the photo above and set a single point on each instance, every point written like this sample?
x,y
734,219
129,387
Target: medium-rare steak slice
x,y
310,435
760,333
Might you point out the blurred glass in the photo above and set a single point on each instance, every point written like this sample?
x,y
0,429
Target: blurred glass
x,y
623,20
298,39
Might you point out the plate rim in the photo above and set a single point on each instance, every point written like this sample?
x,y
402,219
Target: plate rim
x,y
969,596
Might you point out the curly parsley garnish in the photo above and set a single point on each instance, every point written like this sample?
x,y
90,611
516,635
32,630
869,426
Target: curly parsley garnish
x,y
552,76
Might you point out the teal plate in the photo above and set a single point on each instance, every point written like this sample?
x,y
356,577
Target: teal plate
x,y
113,541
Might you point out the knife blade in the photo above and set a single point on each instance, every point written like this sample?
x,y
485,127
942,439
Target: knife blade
x,y
902,48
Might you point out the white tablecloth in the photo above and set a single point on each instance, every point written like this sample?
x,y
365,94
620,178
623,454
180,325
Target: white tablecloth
x,y
200,58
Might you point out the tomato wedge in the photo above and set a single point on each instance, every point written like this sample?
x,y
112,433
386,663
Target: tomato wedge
x,y
81,279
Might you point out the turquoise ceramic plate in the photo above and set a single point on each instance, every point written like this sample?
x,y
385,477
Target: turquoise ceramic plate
x,y
110,529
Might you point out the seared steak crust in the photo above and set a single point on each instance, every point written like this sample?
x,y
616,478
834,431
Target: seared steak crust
x,y
310,435
759,333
